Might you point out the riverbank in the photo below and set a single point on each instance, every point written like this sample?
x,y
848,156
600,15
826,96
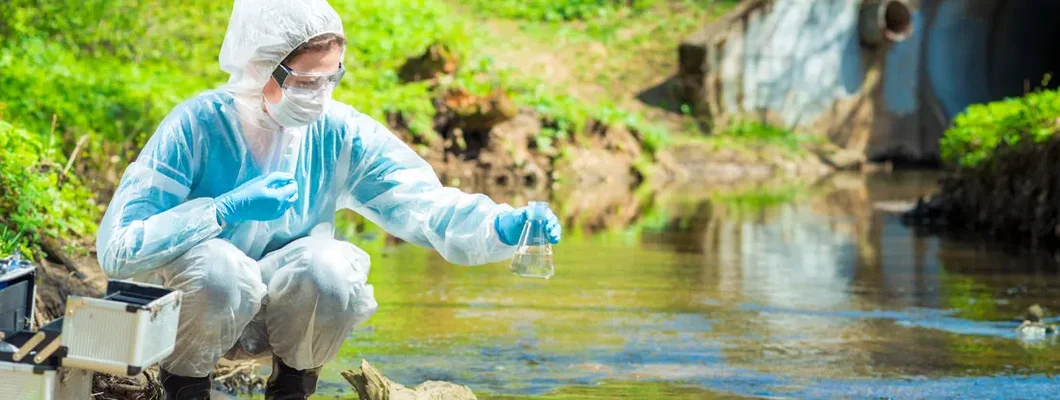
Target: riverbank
x,y
1003,184
77,109
449,89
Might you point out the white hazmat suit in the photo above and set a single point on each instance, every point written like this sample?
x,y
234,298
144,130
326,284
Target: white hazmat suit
x,y
284,285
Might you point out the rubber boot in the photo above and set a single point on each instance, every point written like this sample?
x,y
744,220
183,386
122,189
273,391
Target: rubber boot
x,y
287,383
184,388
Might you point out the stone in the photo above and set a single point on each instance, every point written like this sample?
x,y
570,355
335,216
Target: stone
x,y
478,113
588,167
370,384
842,159
436,60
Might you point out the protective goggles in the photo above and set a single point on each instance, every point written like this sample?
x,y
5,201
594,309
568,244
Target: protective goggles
x,y
291,79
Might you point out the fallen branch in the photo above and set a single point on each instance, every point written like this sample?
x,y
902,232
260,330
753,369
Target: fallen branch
x,y
237,369
239,377
73,157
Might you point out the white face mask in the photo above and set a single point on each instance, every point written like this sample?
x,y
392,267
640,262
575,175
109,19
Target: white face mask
x,y
298,107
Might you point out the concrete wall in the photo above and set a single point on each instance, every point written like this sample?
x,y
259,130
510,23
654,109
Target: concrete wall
x,y
802,64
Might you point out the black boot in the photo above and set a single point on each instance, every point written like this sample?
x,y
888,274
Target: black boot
x,y
287,383
184,388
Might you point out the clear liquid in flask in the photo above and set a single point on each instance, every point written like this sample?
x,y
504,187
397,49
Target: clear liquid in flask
x,y
533,256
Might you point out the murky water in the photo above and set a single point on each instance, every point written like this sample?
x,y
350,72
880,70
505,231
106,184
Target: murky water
x,y
786,293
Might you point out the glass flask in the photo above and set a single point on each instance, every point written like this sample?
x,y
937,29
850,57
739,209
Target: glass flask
x,y
533,256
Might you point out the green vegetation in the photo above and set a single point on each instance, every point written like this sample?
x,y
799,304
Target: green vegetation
x,y
605,53
983,129
558,10
106,72
33,202
764,134
751,138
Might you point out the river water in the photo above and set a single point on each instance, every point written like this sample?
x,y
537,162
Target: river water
x,y
781,292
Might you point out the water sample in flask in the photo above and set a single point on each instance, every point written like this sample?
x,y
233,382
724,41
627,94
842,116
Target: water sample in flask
x,y
533,256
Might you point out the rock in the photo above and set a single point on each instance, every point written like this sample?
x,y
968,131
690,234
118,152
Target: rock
x,y
1034,330
619,138
514,135
587,167
1032,326
476,113
839,158
934,212
1035,313
666,169
370,384
435,61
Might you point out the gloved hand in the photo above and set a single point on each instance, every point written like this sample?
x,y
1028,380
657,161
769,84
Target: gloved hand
x,y
509,225
260,199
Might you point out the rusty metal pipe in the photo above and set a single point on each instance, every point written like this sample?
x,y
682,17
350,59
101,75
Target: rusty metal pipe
x,y
884,21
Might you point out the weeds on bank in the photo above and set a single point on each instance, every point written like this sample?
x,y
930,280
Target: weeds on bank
x,y
756,132
753,137
110,70
33,202
979,131
610,49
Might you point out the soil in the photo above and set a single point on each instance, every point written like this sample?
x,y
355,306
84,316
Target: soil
x,y
1013,198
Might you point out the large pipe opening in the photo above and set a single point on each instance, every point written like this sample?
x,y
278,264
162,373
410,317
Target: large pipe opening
x,y
985,51
1023,47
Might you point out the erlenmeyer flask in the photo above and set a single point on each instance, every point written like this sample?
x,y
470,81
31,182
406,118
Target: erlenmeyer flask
x,y
533,256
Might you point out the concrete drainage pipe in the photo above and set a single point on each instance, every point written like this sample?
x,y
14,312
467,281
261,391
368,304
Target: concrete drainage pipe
x,y
885,21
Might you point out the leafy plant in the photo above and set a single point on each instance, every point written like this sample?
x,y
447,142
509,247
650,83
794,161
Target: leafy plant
x,y
981,129
9,241
105,72
32,203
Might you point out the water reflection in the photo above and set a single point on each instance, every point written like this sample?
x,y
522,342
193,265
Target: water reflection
x,y
801,291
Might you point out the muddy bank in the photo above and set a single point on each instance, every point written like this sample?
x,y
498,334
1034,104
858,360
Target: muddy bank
x,y
505,160
505,157
1013,198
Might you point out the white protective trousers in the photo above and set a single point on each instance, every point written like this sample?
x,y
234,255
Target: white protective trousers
x,y
300,302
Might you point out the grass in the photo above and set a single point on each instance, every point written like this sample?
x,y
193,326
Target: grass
x,y
32,201
109,70
982,130
756,140
759,133
605,53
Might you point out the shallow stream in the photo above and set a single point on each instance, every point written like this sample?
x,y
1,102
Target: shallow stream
x,y
815,292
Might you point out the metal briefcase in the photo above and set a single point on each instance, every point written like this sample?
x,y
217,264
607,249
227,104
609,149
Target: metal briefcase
x,y
131,328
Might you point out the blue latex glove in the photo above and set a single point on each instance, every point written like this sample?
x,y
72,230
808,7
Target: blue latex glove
x,y
509,225
261,199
